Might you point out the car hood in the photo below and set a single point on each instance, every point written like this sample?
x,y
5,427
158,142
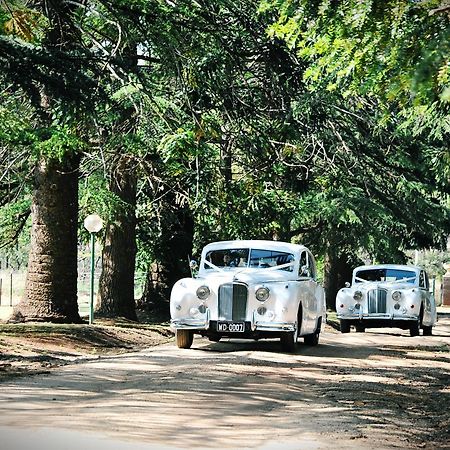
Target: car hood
x,y
249,276
390,286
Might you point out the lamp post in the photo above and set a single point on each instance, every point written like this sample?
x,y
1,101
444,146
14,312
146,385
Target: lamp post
x,y
93,223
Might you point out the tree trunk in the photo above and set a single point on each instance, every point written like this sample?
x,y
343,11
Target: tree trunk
x,y
337,270
171,261
51,283
116,284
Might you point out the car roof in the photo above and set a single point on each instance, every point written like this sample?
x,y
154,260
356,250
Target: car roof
x,y
256,244
388,266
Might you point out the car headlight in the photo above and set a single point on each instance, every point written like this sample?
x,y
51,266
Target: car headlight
x,y
396,296
203,292
262,294
358,296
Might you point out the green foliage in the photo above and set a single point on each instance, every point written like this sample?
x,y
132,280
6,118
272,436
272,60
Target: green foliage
x,y
18,20
57,143
393,50
14,217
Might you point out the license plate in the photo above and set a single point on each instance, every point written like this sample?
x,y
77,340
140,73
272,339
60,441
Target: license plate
x,y
231,327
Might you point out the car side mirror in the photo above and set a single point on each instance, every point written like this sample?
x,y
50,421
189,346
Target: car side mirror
x,y
193,266
347,284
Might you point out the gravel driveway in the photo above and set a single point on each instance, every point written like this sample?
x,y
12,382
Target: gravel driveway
x,y
380,389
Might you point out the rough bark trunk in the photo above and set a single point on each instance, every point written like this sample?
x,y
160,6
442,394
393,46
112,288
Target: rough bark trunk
x,y
170,265
116,284
51,283
337,270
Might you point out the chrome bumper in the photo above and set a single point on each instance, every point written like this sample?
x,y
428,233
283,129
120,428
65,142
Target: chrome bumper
x,y
271,326
274,326
204,323
191,324
376,317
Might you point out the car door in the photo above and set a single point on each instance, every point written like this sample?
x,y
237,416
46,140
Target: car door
x,y
429,304
307,292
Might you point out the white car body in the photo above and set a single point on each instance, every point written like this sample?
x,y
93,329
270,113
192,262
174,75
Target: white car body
x,y
295,305
387,295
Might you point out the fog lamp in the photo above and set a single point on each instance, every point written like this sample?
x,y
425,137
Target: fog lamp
x,y
202,309
261,310
396,306
357,306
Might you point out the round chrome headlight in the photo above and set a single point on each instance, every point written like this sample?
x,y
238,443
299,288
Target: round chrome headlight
x,y
203,292
358,296
262,294
396,296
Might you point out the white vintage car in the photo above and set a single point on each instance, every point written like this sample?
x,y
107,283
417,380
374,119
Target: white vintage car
x,y
251,290
387,295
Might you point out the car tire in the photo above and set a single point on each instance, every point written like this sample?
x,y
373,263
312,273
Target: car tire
x,y
184,338
360,328
427,331
345,326
288,340
414,329
313,339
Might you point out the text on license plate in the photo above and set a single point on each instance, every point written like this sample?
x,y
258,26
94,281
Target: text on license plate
x,y
231,327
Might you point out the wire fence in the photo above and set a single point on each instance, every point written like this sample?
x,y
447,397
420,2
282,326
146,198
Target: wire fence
x,y
12,286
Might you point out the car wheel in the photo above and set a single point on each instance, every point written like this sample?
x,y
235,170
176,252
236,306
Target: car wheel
x,y
427,331
360,329
184,338
345,326
313,339
288,340
414,329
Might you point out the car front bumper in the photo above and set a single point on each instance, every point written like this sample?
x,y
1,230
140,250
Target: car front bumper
x,y
408,317
206,323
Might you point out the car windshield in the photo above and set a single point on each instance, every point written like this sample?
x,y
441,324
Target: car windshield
x,y
244,257
385,275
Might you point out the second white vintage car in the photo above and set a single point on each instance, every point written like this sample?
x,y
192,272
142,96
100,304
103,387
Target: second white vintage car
x,y
252,290
387,295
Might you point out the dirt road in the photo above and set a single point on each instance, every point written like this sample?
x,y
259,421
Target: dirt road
x,y
380,389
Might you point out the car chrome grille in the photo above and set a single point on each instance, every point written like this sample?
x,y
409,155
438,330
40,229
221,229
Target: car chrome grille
x,y
232,301
376,301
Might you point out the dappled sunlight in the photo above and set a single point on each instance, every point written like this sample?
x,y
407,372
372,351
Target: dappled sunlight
x,y
370,389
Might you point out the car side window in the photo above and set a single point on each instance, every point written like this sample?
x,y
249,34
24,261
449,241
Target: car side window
x,y
303,270
422,280
312,266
